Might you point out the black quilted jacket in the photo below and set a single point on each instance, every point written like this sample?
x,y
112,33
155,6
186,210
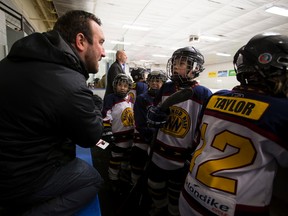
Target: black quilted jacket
x,y
45,109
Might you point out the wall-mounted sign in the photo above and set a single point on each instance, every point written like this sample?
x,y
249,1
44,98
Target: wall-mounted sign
x,y
222,73
212,74
231,73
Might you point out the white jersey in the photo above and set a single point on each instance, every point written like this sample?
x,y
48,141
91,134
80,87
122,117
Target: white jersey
x,y
174,139
233,168
118,112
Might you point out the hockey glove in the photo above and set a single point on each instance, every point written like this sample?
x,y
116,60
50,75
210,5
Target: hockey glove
x,y
156,118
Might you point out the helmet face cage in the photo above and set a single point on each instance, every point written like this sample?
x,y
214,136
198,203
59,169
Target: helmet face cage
x,y
194,64
137,73
121,78
263,62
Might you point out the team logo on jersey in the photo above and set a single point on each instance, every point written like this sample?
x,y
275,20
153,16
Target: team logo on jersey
x,y
127,117
247,108
131,96
178,123
134,85
217,203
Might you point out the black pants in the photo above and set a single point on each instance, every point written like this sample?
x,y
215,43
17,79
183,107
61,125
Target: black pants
x,y
165,187
71,188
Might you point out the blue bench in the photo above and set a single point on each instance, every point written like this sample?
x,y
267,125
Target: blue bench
x,y
93,208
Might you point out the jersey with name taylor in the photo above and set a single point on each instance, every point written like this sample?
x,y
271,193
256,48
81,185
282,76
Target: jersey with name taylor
x,y
243,137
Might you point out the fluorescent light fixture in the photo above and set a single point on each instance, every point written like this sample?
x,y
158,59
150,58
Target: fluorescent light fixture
x,y
223,54
209,38
270,33
146,60
278,10
110,51
160,55
120,42
134,27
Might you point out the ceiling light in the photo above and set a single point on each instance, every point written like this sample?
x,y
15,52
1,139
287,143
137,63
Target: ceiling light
x,y
120,42
223,54
146,60
209,38
270,33
278,10
160,55
139,28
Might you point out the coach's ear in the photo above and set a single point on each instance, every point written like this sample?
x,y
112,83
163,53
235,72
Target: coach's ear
x,y
81,42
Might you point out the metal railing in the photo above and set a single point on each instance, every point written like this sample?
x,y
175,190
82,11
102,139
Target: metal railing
x,y
15,20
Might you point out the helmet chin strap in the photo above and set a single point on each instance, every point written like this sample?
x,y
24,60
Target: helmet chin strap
x,y
153,92
185,84
121,94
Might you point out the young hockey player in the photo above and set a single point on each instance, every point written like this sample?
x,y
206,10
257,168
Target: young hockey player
x,y
118,120
243,136
142,133
173,143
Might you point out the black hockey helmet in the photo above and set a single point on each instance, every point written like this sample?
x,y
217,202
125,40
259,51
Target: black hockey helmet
x,y
263,61
157,74
137,73
194,60
121,78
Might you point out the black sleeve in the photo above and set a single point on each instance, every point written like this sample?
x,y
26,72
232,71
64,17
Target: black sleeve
x,y
81,119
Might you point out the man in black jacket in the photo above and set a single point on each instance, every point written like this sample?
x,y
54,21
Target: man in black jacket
x,y
49,112
116,68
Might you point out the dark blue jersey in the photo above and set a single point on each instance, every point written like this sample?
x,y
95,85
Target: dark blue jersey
x,y
143,101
